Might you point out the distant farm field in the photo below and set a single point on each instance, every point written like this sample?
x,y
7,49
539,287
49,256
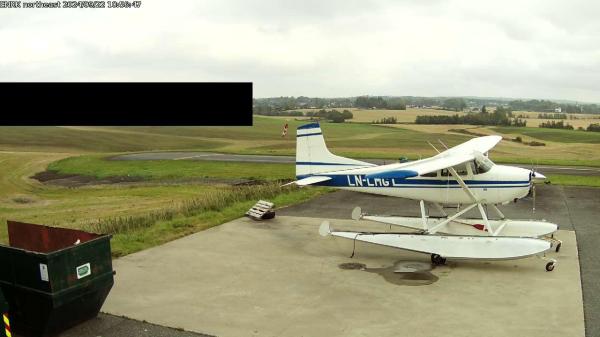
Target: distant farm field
x,y
402,116
576,120
361,140
553,135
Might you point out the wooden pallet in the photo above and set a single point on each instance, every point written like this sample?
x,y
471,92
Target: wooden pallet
x,y
261,210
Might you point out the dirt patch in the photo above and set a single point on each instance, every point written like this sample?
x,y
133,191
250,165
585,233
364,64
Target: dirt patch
x,y
77,180
23,200
467,132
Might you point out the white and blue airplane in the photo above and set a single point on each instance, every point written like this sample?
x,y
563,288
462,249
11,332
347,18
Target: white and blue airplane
x,y
462,175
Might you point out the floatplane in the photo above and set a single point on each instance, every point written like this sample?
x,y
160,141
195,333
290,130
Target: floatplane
x,y
462,175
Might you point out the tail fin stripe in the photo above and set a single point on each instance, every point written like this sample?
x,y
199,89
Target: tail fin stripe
x,y
318,163
309,126
309,134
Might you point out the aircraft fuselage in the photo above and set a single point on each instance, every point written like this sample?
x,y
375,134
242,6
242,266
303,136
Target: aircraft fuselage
x,y
498,185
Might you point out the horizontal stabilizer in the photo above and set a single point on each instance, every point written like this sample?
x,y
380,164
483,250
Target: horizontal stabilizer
x,y
309,180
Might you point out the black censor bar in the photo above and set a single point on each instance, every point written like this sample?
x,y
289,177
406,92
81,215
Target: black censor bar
x,y
126,103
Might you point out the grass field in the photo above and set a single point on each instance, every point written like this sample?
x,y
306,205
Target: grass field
x,y
24,199
99,167
561,179
553,135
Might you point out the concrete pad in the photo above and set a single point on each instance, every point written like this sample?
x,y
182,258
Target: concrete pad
x,y
280,278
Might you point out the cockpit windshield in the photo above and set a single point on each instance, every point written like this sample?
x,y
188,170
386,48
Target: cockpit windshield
x,y
482,163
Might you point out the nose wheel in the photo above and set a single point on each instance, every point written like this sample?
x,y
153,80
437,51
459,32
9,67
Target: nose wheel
x,y
550,265
437,260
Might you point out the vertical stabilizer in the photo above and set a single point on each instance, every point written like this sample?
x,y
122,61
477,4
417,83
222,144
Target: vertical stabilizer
x,y
313,157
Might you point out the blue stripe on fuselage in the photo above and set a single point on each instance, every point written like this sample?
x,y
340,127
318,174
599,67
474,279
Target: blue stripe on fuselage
x,y
362,181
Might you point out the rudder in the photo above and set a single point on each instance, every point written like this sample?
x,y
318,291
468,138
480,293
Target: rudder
x,y
313,157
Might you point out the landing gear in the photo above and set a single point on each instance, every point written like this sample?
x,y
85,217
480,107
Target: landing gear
x,y
550,264
437,260
555,241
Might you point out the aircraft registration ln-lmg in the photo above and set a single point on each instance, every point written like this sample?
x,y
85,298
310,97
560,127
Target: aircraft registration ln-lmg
x,y
462,175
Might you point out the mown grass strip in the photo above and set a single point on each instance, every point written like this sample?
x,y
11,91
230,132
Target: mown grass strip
x,y
99,167
134,233
569,180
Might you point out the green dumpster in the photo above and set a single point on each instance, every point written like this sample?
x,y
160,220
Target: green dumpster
x,y
53,278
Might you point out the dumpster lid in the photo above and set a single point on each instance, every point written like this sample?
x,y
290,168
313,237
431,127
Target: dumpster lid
x,y
45,239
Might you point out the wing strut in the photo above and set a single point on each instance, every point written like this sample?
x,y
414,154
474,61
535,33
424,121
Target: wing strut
x,y
423,217
472,196
435,228
476,201
463,185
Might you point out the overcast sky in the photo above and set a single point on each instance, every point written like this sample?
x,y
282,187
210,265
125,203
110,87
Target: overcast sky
x,y
529,49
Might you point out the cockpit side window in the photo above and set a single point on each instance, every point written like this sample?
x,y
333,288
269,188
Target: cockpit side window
x,y
483,164
460,169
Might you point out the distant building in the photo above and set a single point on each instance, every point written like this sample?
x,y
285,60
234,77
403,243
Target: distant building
x,y
559,110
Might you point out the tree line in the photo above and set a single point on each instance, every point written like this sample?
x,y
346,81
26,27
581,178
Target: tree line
x,y
378,102
386,120
333,115
496,118
552,116
595,127
546,105
283,103
556,125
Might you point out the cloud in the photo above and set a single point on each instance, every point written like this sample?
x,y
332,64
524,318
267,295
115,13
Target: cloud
x,y
538,49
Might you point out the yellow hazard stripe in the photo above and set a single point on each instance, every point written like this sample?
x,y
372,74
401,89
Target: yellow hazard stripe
x,y
7,325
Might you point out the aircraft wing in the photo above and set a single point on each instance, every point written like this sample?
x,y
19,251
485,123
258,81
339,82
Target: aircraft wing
x,y
423,166
479,144
454,156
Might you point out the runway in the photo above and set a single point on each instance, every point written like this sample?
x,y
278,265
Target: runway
x,y
212,156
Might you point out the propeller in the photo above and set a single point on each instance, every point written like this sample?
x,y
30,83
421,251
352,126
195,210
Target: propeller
x,y
532,188
534,177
